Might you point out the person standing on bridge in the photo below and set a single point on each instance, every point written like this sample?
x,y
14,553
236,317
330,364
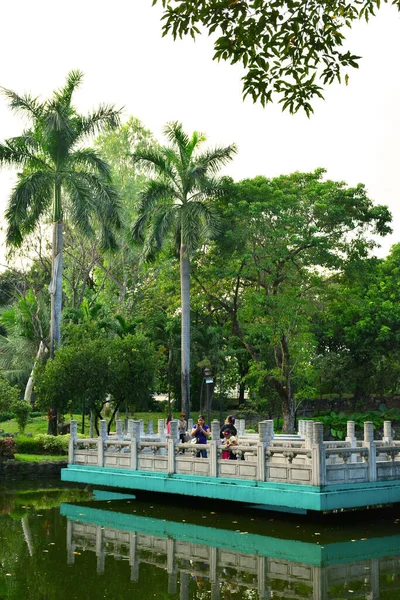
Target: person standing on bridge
x,y
201,432
182,428
229,425
230,441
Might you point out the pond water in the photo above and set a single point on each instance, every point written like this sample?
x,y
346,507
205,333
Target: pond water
x,y
62,542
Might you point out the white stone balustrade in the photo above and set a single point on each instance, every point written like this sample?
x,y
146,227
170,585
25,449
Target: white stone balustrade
x,y
303,459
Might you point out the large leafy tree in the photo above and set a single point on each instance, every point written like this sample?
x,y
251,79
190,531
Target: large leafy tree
x,y
283,239
59,178
289,49
358,330
180,201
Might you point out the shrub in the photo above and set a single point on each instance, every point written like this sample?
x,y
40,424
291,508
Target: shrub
x,y
6,415
22,411
8,447
43,444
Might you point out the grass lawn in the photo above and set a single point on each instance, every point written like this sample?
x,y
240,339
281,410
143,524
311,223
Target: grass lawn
x,y
39,458
39,424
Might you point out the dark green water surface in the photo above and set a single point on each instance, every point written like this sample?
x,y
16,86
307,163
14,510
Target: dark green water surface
x,y
59,542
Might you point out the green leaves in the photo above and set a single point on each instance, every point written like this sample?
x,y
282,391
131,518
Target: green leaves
x,y
283,45
180,199
50,154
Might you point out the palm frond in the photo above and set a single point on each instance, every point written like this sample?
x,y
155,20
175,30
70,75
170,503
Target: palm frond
x,y
138,227
89,158
23,104
81,201
215,158
20,152
153,158
64,94
199,220
30,199
108,241
164,221
92,200
104,118
156,191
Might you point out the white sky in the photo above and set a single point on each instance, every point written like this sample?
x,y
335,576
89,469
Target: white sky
x,y
354,133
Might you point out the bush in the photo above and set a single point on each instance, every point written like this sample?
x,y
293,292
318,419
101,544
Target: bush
x,y
43,444
8,447
6,415
22,411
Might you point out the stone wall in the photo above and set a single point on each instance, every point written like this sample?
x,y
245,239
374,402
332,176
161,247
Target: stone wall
x,y
14,470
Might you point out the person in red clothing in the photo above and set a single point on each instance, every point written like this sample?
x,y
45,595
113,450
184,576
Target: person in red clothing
x,y
230,441
169,419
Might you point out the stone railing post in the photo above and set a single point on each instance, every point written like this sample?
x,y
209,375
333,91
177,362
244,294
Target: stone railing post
x,y
161,435
215,429
351,439
161,429
241,427
141,427
119,426
72,439
302,428
309,434
171,441
101,440
318,456
370,444
212,450
270,431
134,427
190,425
264,438
150,429
387,433
130,429
351,436
212,454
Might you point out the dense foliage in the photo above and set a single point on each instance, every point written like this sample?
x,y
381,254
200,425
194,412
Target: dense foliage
x,y
289,49
287,300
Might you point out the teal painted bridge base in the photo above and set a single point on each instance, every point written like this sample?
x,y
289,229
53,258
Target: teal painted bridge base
x,y
268,494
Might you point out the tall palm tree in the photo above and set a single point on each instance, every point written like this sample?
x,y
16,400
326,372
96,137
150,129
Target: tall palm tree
x,y
179,201
59,178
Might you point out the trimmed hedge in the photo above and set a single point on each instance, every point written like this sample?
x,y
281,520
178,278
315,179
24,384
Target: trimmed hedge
x,y
6,415
43,444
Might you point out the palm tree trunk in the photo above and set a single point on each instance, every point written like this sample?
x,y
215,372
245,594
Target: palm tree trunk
x,y
185,330
55,289
29,385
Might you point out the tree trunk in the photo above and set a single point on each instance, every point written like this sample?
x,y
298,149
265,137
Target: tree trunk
x,y
55,289
185,330
242,389
29,385
284,389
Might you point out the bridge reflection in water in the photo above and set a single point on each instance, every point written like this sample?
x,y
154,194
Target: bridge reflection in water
x,y
237,564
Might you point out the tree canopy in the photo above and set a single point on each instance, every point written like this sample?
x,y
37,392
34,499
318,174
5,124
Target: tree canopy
x,y
290,49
